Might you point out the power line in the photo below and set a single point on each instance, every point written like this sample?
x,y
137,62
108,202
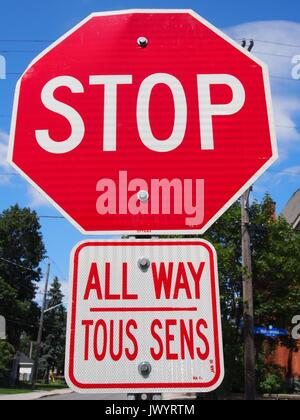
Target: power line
x,y
26,40
23,286
277,43
273,54
17,322
26,269
51,217
18,265
285,172
2,51
35,40
272,76
270,42
290,79
9,51
9,174
62,276
58,269
293,127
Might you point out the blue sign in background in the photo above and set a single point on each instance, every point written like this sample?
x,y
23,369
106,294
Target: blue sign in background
x,y
270,332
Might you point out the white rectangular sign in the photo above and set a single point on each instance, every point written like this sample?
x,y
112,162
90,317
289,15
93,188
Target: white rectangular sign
x,y
144,316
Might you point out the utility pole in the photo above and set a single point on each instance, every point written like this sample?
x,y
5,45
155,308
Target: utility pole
x,y
248,306
40,333
31,350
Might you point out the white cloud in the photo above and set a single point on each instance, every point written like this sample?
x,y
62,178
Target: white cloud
x,y
292,172
4,165
65,287
286,109
36,199
277,178
3,149
275,44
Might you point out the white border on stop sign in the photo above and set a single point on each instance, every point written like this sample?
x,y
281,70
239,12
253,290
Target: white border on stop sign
x,y
154,232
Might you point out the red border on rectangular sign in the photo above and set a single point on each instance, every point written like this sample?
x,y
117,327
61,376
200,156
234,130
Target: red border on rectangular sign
x,y
137,386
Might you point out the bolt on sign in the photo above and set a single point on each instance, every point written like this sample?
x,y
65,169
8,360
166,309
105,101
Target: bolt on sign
x,y
143,121
144,316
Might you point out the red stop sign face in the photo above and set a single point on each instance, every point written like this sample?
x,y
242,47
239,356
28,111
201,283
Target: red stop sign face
x,y
143,121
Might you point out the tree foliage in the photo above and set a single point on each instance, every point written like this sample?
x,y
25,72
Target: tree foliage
x,y
276,267
21,245
6,359
275,248
55,329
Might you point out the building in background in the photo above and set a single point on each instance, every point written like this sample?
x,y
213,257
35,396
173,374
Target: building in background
x,y
283,357
25,368
291,212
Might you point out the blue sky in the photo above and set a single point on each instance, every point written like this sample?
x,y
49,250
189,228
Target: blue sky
x,y
274,25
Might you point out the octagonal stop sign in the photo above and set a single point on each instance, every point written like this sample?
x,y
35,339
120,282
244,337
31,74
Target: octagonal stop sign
x,y
143,121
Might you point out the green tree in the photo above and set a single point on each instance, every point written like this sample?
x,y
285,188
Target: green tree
x,y
225,236
21,245
276,268
53,349
6,359
275,248
27,345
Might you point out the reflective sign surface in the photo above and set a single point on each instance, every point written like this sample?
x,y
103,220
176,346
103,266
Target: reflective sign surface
x,y
143,121
144,316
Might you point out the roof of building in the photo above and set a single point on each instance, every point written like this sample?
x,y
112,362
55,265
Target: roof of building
x,y
291,212
25,359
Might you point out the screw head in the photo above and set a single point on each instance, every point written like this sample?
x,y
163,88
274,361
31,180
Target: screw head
x,y
145,369
144,263
143,196
142,42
